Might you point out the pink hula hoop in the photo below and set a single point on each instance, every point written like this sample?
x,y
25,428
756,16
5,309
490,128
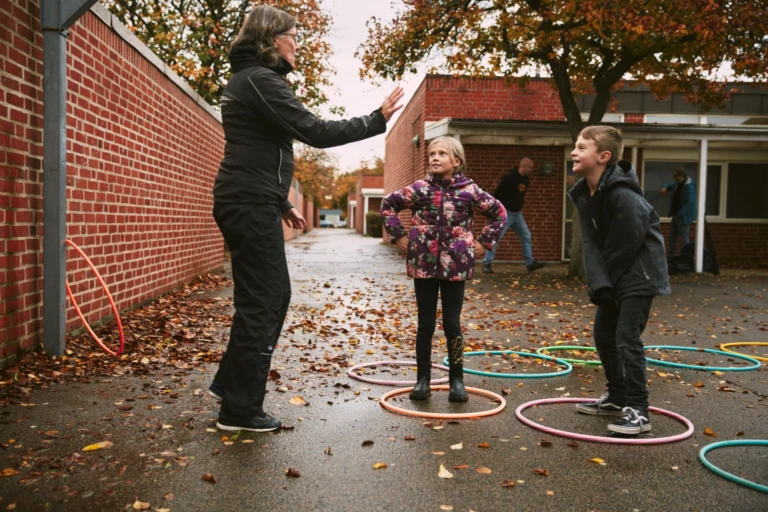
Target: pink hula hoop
x,y
351,373
109,297
600,439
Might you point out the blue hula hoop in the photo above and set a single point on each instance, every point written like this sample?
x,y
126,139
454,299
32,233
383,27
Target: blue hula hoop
x,y
728,476
756,363
567,370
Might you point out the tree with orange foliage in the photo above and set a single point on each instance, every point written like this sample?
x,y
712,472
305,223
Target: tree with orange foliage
x,y
587,47
193,39
346,183
316,170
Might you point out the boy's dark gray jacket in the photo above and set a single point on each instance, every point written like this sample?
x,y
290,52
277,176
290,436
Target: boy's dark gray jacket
x,y
261,118
623,246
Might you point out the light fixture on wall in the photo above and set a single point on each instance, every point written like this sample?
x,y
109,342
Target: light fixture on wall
x,y
547,168
415,141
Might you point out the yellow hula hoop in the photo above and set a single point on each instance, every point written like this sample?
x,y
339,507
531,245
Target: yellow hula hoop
x,y
724,348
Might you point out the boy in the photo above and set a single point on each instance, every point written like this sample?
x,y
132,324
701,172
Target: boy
x,y
626,267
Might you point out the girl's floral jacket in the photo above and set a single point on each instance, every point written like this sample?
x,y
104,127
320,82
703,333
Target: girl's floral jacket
x,y
441,244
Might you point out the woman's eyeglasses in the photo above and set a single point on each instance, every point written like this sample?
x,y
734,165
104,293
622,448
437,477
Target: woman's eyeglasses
x,y
294,36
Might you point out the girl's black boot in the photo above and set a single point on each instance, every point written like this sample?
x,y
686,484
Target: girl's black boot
x,y
421,390
456,393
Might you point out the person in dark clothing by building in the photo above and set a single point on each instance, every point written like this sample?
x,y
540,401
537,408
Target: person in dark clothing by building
x,y
682,208
511,192
626,268
262,117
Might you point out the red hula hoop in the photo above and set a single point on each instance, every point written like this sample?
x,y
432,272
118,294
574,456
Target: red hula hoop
x,y
111,302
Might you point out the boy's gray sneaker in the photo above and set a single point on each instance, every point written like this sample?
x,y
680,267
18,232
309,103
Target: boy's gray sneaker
x,y
536,265
487,268
600,407
633,422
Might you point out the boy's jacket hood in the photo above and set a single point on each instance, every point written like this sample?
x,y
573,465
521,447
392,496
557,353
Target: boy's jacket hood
x,y
620,174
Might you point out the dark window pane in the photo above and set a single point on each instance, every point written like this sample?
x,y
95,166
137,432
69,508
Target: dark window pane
x,y
713,189
747,191
658,174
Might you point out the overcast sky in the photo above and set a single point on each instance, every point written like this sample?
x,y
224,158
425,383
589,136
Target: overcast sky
x,y
356,96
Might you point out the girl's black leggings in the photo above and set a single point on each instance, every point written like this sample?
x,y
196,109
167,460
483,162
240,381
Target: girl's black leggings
x,y
452,296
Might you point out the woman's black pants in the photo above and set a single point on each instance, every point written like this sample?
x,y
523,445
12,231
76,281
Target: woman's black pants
x,y
254,234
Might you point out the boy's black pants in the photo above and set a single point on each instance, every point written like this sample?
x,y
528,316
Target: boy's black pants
x,y
618,327
452,297
262,292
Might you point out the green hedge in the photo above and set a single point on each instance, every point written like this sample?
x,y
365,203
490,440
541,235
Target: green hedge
x,y
374,224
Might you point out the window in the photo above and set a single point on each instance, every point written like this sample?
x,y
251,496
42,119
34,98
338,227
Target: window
x,y
607,118
737,120
747,191
658,174
746,188
671,119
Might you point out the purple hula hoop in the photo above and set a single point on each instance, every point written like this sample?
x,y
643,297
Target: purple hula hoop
x,y
600,439
351,373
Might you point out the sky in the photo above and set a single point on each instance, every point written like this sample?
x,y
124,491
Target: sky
x,y
356,96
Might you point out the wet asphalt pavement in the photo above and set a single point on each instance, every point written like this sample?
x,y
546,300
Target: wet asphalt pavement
x,y
353,304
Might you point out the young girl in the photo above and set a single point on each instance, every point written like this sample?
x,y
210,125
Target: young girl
x,y
441,251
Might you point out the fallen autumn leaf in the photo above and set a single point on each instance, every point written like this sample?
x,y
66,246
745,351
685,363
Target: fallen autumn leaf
x,y
444,473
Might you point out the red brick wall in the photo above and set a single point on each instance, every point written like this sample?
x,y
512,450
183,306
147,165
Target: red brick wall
x,y
491,98
141,159
142,156
741,245
405,163
543,210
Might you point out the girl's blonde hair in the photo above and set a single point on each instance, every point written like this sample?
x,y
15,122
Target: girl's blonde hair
x,y
259,30
457,150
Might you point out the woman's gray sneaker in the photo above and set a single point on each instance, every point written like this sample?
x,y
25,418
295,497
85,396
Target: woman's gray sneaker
x,y
264,423
600,407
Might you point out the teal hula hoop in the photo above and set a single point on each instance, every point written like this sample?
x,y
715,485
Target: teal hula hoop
x,y
728,476
542,350
563,362
756,363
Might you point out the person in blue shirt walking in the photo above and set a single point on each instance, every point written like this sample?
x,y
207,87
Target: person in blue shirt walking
x,y
682,208
511,192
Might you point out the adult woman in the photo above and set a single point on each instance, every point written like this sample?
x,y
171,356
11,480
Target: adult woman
x,y
261,118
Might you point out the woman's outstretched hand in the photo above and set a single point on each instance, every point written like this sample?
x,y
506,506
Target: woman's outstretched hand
x,y
390,105
402,244
294,219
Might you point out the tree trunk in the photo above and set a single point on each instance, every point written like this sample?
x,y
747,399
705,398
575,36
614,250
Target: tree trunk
x,y
576,268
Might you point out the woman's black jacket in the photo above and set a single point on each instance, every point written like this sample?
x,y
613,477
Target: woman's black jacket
x,y
261,118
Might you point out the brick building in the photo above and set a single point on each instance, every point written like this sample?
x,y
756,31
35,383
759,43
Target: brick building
x,y
499,123
142,153
368,194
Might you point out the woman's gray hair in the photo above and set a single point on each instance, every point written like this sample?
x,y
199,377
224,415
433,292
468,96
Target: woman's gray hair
x,y
259,30
457,150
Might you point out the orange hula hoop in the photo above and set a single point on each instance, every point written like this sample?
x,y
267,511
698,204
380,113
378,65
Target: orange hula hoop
x,y
111,302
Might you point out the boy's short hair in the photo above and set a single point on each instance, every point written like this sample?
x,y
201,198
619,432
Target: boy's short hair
x,y
680,171
457,150
607,138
